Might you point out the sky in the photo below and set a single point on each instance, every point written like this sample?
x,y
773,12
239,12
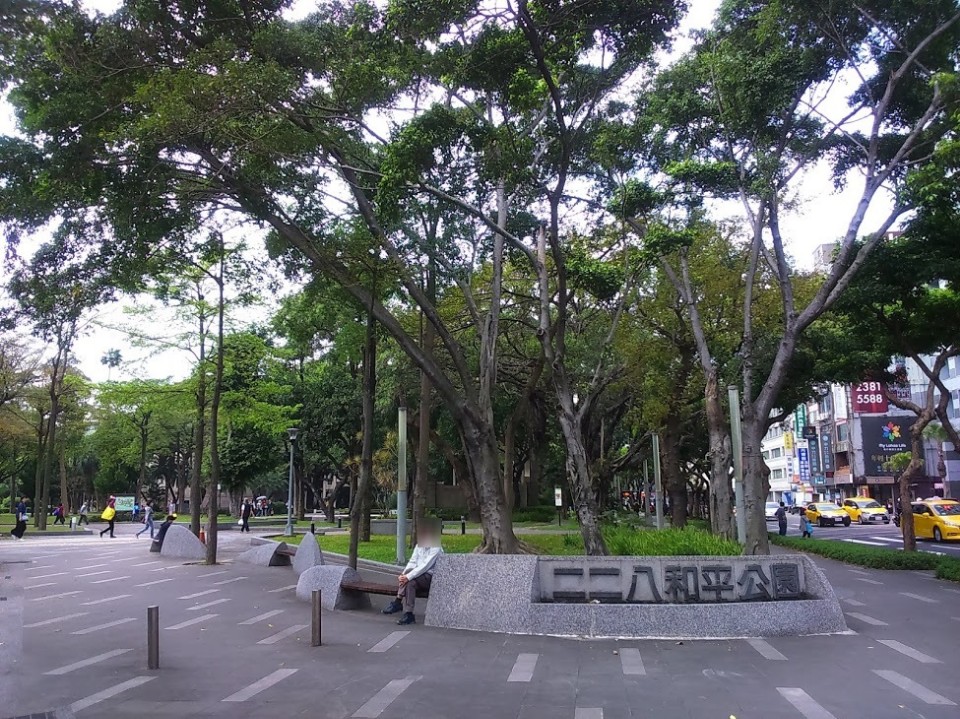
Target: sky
x,y
819,216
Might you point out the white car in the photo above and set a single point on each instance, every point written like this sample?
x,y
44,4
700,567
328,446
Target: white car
x,y
770,511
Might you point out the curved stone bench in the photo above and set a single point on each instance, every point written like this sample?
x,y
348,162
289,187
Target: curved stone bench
x,y
180,542
635,597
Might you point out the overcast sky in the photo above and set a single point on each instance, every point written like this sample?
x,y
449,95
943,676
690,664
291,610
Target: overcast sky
x,y
819,216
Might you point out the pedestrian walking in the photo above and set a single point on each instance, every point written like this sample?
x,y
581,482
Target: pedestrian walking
x,y
21,518
83,515
806,526
109,515
147,519
246,509
172,508
781,515
136,511
58,514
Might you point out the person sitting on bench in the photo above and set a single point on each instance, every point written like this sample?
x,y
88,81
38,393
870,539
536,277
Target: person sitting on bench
x,y
417,574
162,532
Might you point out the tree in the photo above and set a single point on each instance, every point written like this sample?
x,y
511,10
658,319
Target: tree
x,y
900,304
743,115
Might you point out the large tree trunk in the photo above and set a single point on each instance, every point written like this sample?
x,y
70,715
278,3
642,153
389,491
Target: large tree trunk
x,y
199,437
721,505
51,453
422,476
907,529
360,501
509,457
756,486
214,490
142,474
483,463
674,483
581,489
64,492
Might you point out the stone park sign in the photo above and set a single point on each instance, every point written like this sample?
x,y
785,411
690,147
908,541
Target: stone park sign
x,y
666,581
675,597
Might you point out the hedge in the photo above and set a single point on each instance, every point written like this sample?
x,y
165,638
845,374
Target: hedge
x,y
873,557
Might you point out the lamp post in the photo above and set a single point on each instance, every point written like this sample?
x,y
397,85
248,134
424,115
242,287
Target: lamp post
x,y
292,433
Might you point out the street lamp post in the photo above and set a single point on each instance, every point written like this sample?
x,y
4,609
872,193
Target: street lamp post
x,y
292,433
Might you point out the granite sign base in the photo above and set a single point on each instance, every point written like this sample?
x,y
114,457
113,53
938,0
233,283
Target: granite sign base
x,y
634,597
180,542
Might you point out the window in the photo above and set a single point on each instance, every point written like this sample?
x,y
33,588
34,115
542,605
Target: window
x,y
766,454
776,452
776,474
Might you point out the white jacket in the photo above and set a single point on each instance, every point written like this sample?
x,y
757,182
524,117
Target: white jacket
x,y
421,561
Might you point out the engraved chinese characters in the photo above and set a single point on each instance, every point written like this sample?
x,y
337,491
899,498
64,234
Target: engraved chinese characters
x,y
666,580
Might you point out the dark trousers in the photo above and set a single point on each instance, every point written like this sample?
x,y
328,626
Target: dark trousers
x,y
109,528
783,529
59,519
19,529
83,518
245,527
408,592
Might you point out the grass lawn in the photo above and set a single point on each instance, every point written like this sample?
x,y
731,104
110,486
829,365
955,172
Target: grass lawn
x,y
620,541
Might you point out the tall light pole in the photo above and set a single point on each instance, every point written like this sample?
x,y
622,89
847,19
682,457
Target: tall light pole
x,y
292,433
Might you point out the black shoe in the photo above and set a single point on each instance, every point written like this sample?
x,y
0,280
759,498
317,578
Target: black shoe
x,y
407,618
393,607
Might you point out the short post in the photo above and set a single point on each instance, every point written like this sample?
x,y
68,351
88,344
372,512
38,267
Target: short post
x,y
339,522
313,527
153,637
463,524
315,622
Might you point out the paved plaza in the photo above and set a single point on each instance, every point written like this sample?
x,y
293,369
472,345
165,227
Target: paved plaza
x,y
236,642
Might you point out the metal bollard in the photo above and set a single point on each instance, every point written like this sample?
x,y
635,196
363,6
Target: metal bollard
x,y
315,622
313,527
463,524
339,522
153,637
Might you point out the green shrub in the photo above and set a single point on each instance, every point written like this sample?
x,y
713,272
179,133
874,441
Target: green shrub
x,y
535,514
949,568
873,557
279,508
626,541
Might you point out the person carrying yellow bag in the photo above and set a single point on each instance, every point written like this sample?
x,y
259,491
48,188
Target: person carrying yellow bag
x,y
109,515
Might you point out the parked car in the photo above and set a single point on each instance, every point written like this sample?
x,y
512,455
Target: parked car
x,y
827,514
865,510
770,511
936,519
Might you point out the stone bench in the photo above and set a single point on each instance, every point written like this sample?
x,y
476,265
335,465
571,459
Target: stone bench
x,y
343,588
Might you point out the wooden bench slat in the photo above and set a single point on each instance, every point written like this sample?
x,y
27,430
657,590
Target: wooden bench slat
x,y
375,588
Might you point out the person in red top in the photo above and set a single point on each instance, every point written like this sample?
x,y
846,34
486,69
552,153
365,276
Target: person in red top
x,y
58,514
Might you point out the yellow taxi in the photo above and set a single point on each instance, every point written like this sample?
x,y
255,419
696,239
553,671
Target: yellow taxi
x,y
827,514
865,510
936,519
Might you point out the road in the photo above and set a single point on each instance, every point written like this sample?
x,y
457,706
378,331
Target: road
x,y
871,535
235,642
